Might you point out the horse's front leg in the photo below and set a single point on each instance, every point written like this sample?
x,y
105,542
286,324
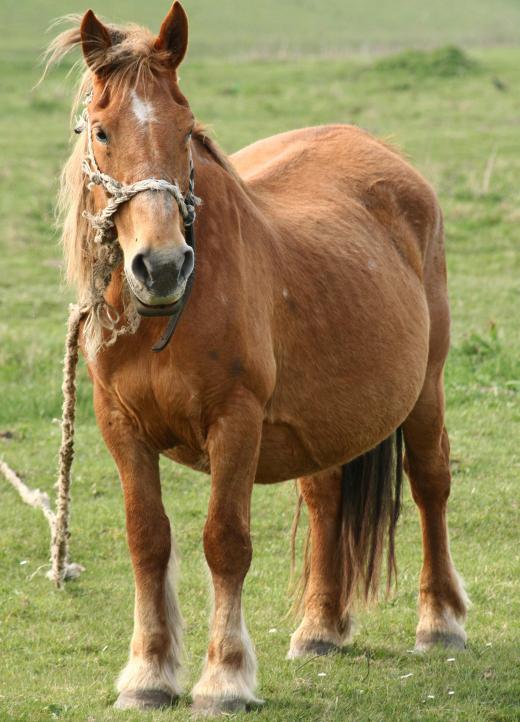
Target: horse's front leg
x,y
150,679
228,680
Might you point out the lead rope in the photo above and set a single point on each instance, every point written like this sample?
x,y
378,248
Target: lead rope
x,y
61,566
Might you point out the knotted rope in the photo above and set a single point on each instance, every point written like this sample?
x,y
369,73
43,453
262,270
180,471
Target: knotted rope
x,y
61,567
96,314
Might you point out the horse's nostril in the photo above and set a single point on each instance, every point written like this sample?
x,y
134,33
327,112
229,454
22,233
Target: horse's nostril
x,y
187,264
140,269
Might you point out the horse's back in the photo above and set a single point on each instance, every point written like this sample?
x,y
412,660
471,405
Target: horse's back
x,y
318,170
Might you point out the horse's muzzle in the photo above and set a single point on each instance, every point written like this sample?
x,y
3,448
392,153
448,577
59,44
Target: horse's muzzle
x,y
158,277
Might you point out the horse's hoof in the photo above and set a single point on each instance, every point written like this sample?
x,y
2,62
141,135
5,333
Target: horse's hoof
x,y
312,648
425,641
144,699
213,707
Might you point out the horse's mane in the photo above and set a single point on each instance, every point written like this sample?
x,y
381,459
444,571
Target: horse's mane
x,y
132,59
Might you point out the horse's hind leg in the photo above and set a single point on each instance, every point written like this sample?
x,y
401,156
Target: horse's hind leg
x,y
325,625
442,599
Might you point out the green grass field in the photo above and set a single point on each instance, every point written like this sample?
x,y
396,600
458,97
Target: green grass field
x,y
253,72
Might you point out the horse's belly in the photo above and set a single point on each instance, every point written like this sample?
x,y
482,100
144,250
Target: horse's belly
x,y
282,455
342,429
354,389
195,459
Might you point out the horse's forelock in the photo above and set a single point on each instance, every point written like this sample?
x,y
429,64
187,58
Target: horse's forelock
x,y
132,56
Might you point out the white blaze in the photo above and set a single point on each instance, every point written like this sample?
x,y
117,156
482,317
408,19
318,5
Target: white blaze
x,y
143,110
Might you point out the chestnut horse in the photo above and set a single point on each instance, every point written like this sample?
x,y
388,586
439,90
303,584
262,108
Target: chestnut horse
x,y
313,340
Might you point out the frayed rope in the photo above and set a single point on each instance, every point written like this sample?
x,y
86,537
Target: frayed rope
x,y
61,566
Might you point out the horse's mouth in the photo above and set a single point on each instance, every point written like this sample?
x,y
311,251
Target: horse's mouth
x,y
160,309
155,309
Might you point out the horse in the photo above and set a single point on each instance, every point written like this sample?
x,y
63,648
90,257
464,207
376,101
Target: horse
x,y
311,324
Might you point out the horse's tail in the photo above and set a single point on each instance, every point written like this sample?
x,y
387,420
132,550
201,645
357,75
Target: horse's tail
x,y
370,505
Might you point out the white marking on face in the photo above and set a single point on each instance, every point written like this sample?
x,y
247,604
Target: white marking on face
x,y
143,110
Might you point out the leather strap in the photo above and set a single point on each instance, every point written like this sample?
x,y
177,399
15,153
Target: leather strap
x,y
174,318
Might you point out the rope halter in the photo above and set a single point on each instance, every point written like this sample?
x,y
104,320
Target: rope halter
x,y
99,314
120,193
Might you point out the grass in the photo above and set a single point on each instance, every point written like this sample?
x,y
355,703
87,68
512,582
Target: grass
x,y
457,117
230,28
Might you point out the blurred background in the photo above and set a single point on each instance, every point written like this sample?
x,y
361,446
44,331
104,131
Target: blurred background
x,y
440,80
245,30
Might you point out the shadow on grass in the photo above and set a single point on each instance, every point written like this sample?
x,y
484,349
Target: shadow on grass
x,y
283,707
274,708
355,650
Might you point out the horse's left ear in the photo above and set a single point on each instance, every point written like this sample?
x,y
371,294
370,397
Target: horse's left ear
x,y
173,35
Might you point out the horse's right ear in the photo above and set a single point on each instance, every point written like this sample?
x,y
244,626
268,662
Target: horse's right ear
x,y
95,40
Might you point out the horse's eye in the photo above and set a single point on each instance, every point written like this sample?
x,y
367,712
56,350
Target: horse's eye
x,y
101,136
188,136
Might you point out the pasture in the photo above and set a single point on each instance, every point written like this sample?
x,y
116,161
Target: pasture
x,y
456,115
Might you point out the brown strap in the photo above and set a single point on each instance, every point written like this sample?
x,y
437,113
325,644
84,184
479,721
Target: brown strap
x,y
174,318
168,332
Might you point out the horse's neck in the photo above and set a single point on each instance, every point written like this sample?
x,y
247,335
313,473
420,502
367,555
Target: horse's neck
x,y
229,208
217,183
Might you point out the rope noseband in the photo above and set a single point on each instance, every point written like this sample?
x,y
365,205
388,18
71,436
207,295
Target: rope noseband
x,y
119,193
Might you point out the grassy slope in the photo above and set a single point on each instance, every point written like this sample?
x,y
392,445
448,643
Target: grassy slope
x,y
60,653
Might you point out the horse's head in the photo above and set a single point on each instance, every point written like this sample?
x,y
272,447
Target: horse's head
x,y
139,127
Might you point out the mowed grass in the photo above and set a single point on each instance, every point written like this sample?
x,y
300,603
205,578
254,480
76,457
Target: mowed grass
x,y
459,122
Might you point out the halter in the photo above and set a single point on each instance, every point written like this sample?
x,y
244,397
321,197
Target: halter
x,y
119,193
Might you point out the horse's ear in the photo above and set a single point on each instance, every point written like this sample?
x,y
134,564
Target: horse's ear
x,y
173,35
95,40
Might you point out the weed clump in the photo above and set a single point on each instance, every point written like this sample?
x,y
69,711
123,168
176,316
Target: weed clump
x,y
446,62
